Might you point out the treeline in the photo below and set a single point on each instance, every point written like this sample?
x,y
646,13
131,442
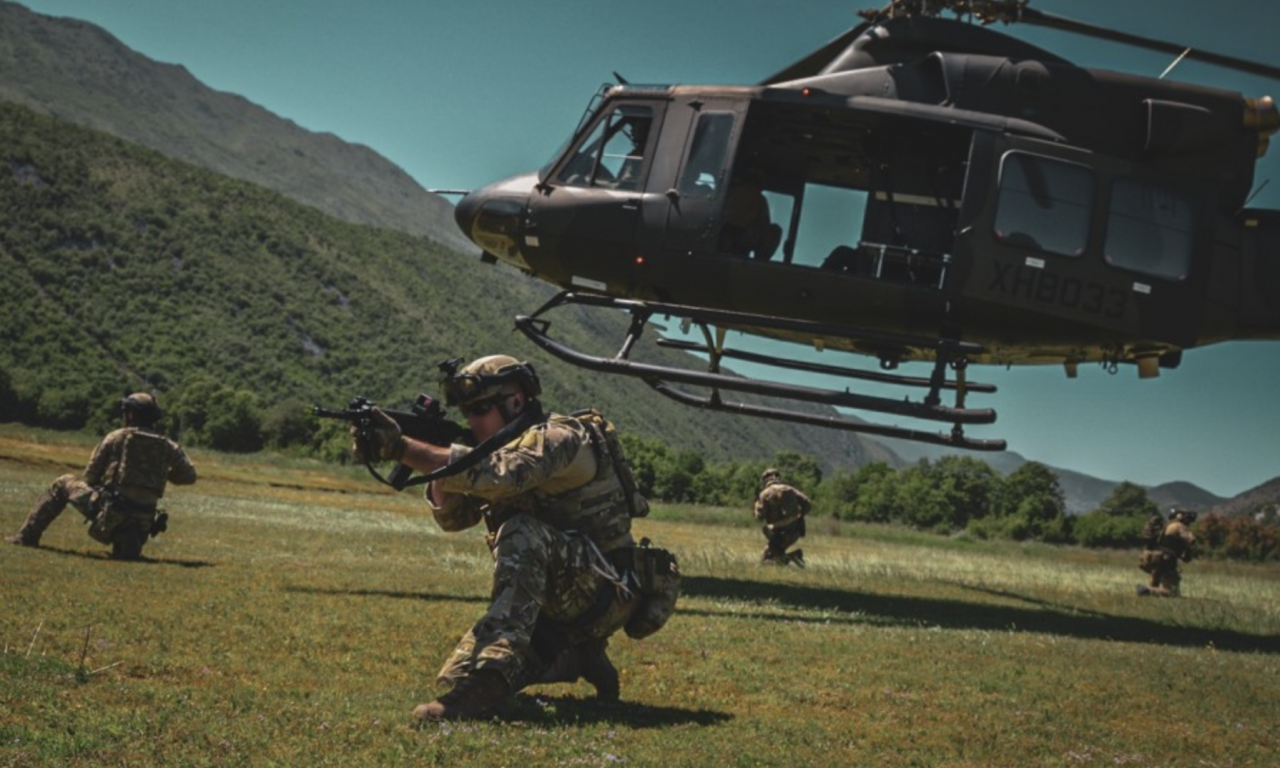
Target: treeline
x,y
953,495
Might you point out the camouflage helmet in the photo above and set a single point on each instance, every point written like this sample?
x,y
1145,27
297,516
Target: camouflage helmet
x,y
770,474
141,407
1185,515
486,378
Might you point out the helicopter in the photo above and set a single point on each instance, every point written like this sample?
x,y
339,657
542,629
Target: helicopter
x,y
922,188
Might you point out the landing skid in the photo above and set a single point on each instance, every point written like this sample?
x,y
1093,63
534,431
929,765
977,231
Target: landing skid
x,y
949,354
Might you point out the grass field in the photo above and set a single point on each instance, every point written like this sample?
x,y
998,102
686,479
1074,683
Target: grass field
x,y
294,614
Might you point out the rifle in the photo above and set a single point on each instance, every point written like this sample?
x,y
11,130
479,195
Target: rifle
x,y
424,421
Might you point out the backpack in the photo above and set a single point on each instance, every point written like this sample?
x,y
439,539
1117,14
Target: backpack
x,y
1153,530
605,435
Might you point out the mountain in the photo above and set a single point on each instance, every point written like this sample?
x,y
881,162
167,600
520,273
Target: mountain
x,y
78,72
1185,495
1259,500
1084,493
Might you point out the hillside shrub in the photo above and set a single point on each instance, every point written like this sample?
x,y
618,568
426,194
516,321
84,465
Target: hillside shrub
x,y
1237,538
1098,530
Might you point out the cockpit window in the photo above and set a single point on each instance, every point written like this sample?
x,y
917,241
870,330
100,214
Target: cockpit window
x,y
1149,230
613,154
1044,204
703,174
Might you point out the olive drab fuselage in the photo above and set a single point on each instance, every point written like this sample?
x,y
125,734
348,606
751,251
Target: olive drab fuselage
x,y
936,190
1051,212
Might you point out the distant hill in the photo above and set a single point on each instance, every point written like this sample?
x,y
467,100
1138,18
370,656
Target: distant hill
x,y
1185,495
1264,498
79,72
1084,493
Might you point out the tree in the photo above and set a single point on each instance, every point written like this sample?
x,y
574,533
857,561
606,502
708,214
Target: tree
x,y
288,422
971,484
220,417
838,494
8,397
1030,505
1129,500
798,470
877,500
1119,520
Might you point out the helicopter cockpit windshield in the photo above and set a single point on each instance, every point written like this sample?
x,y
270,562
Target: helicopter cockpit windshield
x,y
613,155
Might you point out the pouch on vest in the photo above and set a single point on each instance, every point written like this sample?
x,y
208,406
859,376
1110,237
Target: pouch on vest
x,y
114,511
602,429
658,575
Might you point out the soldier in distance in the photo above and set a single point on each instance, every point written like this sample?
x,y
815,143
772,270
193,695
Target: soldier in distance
x,y
124,480
782,509
1173,544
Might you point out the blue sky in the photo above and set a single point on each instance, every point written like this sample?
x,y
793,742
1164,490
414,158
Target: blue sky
x,y
463,93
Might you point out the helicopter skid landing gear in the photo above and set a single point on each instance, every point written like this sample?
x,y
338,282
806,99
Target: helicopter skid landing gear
x,y
949,354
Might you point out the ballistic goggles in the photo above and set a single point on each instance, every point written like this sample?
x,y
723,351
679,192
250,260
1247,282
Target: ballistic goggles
x,y
462,388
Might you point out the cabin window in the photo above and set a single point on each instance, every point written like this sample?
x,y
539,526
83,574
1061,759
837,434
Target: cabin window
x,y
703,174
613,155
829,226
1149,230
1044,204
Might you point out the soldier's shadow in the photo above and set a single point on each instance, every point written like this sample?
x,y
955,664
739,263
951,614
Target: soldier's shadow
x,y
568,710
144,560
1028,614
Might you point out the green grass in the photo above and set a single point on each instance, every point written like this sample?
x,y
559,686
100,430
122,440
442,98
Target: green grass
x,y
294,614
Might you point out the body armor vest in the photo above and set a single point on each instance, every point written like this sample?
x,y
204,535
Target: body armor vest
x,y
598,509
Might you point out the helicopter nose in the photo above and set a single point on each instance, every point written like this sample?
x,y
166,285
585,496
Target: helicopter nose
x,y
464,212
492,216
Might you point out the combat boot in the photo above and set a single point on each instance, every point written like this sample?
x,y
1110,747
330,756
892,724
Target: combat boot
x,y
599,671
21,540
796,557
477,697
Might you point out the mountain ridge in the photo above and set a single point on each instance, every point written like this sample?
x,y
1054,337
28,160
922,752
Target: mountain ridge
x,y
79,72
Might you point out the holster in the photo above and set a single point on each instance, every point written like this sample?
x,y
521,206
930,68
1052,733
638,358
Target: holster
x,y
656,574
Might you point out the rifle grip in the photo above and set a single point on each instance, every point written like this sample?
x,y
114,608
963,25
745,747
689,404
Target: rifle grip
x,y
399,476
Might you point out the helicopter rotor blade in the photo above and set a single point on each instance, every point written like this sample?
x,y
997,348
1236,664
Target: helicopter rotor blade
x,y
1062,23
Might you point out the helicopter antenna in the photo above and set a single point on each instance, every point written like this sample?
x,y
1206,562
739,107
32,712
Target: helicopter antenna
x,y
1175,63
1256,192
1064,24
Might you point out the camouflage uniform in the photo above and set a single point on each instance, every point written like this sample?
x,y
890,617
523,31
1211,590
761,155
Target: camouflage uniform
x,y
558,524
1176,543
783,509
125,478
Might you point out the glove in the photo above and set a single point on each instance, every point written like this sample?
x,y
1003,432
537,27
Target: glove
x,y
381,439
